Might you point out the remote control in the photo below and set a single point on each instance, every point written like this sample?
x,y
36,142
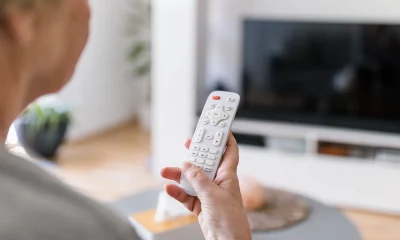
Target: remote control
x,y
211,135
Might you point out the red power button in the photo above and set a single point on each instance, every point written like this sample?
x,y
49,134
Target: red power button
x,y
216,97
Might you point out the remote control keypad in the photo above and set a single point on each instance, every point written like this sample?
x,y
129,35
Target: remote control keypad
x,y
203,157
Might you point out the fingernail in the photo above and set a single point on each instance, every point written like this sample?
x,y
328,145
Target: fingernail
x,y
186,166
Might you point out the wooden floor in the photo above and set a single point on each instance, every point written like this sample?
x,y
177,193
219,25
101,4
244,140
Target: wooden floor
x,y
114,164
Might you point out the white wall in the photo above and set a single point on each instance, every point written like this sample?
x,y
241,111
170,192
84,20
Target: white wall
x,y
103,92
174,75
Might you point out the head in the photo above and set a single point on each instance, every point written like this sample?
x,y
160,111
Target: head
x,y
41,41
40,44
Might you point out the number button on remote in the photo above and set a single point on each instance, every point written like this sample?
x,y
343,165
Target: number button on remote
x,y
196,148
210,163
206,121
204,149
198,165
200,160
201,131
208,169
211,157
209,137
193,153
211,106
202,155
222,124
227,108
219,107
198,139
213,151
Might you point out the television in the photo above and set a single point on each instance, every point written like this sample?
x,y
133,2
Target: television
x,y
343,75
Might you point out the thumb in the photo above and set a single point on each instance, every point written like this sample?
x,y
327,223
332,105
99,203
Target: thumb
x,y
201,184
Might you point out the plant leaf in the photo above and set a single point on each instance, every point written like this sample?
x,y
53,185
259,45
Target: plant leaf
x,y
137,50
143,70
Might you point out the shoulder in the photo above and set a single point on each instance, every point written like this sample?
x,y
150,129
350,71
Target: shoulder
x,y
34,205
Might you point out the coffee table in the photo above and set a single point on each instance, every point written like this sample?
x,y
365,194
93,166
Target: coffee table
x,y
324,222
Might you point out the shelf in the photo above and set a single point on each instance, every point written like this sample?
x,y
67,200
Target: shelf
x,y
337,181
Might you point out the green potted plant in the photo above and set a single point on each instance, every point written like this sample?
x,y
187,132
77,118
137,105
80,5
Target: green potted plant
x,y
41,129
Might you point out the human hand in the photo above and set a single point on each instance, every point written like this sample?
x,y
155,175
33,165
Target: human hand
x,y
218,205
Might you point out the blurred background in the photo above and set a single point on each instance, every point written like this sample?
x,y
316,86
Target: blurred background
x,y
320,99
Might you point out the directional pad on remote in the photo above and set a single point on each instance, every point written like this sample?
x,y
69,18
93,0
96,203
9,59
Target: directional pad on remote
x,y
217,114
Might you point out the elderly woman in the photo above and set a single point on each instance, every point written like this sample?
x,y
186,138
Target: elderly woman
x,y
40,43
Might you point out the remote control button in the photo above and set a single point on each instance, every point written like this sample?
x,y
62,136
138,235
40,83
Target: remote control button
x,y
203,155
211,106
198,165
216,115
223,124
209,137
209,114
192,159
204,149
213,151
196,148
218,139
200,160
214,122
210,163
231,99
216,97
211,157
225,115
200,134
193,153
227,108
208,169
219,107
206,121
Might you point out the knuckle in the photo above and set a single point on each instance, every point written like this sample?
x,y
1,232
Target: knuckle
x,y
194,173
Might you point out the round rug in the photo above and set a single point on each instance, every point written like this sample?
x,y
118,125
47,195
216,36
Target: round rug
x,y
283,209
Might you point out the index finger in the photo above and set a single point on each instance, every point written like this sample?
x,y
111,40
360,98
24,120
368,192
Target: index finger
x,y
230,159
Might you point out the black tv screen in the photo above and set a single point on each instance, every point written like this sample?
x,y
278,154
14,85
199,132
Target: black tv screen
x,y
334,74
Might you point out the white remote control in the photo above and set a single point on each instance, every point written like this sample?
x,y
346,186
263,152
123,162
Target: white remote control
x,y
211,135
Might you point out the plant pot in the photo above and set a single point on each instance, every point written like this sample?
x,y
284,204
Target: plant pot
x,y
44,142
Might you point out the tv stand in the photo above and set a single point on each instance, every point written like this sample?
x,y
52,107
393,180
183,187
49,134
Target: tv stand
x,y
356,180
